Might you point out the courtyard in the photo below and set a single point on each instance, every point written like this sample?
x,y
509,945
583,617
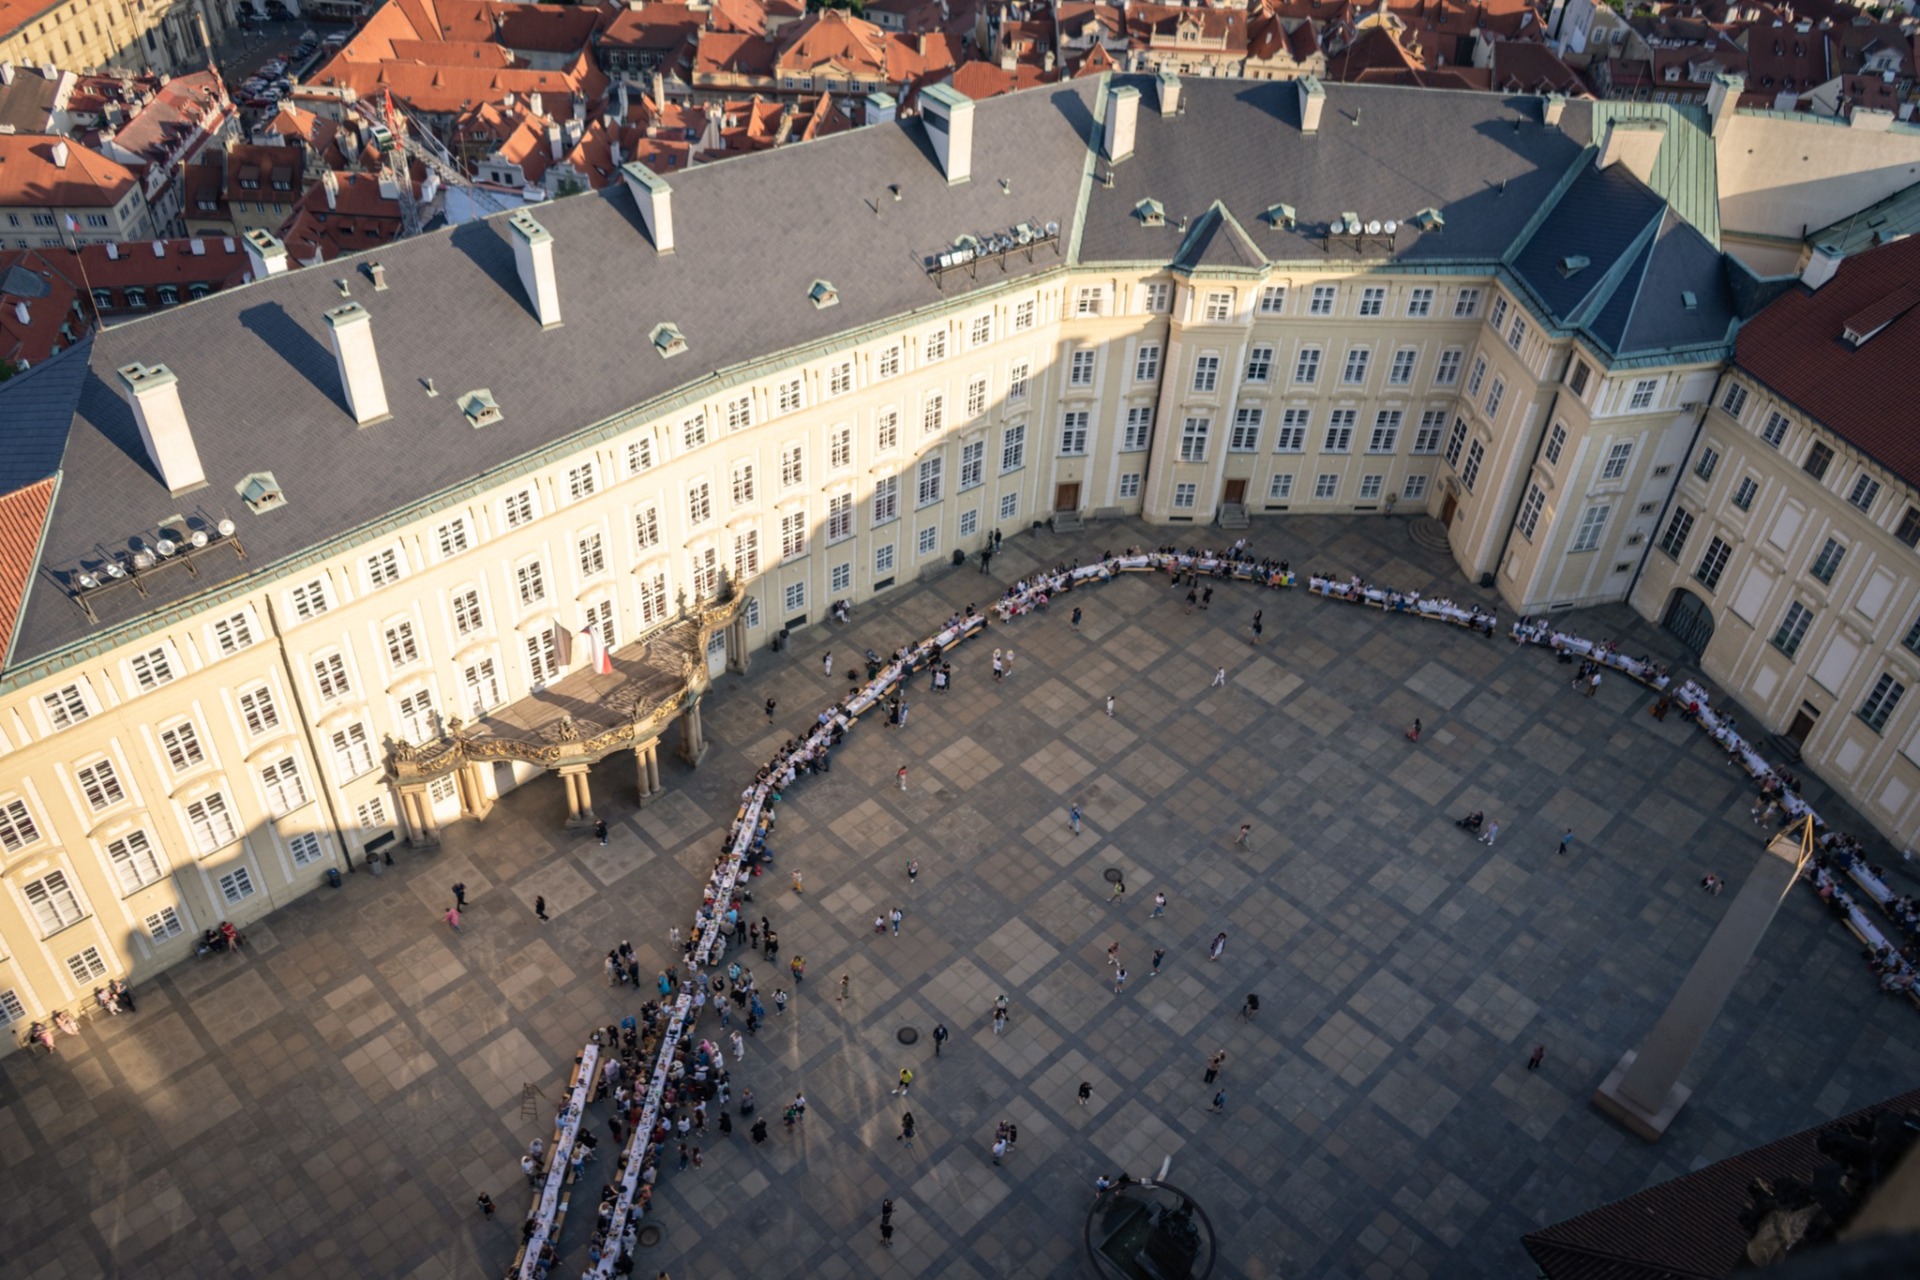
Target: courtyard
x,y
330,1102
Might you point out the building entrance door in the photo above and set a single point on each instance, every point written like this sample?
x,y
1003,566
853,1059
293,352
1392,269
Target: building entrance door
x,y
1236,493
1447,510
1689,618
1067,497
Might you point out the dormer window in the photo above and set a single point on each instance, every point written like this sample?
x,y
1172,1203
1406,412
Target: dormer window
x,y
1573,264
1281,217
261,492
480,408
136,297
823,295
1151,213
668,340
1428,220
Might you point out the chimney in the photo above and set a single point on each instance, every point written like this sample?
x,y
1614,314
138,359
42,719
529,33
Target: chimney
x,y
1634,143
330,182
533,255
655,200
534,104
1123,113
1820,267
948,116
1313,101
23,313
1169,93
1723,95
881,108
113,252
154,393
658,86
1552,109
359,364
555,143
266,253
60,153
6,73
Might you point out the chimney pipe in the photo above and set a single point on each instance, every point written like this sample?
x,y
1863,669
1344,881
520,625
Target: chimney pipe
x,y
154,393
1169,93
358,363
1723,95
1554,108
60,153
655,199
533,255
266,253
1824,261
1313,101
1123,114
948,116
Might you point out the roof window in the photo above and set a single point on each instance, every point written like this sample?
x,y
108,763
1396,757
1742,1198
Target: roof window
x,y
481,408
668,340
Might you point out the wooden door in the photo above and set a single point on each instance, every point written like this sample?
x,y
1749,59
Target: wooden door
x,y
1446,512
1067,497
1802,726
1236,494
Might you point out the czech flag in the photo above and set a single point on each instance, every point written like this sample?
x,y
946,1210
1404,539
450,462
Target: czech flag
x,y
597,656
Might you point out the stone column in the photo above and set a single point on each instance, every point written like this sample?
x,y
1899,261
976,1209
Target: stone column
x,y
646,769
693,744
474,800
739,657
416,813
579,797
1644,1092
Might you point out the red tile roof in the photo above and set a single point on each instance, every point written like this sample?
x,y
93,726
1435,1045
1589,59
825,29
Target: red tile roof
x,y
30,177
23,515
1863,394
42,280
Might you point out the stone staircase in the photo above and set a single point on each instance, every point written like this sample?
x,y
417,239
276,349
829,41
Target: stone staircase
x,y
1233,515
1429,533
1067,522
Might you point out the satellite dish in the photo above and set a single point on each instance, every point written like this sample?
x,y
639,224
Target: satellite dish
x,y
88,582
1024,233
226,528
1373,227
166,546
199,538
1053,228
1391,226
115,569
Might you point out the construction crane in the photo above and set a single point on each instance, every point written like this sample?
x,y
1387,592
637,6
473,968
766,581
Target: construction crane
x,y
401,136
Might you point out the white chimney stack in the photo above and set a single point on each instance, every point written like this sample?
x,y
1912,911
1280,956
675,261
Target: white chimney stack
x,y
1553,109
1313,101
1723,95
60,153
154,393
655,199
533,255
1169,93
1634,143
1824,261
358,363
266,253
948,116
23,313
1123,115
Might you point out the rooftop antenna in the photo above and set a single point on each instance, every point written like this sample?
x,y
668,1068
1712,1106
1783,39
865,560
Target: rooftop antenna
x,y
1356,117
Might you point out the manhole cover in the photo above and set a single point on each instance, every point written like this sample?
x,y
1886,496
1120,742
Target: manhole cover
x,y
907,1035
651,1235
1113,875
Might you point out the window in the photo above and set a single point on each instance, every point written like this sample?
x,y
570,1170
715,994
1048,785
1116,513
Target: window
x,y
1413,488
1373,300
257,709
442,789
1495,394
182,746
352,751
330,676
739,410
1476,453
231,635
17,829
795,597
1139,427
1827,563
87,966
1792,629
1019,376
883,559
1280,487
699,503
1734,401
888,365
309,600
1881,702
1617,458
929,540
1556,441
1193,439
980,332
1158,295
1586,536
1260,364
1466,304
1370,487
1400,372
1517,334
1218,307
1206,373
151,669
1245,437
1355,371
976,397
1306,366
1073,432
1273,300
1456,440
416,716
1819,458
1912,640
236,886
1709,459
1748,487
55,905
582,481
1080,369
973,464
482,681
383,567
840,578
305,848
1013,448
1477,377
793,534
1340,430
1130,485
1321,304
840,449
592,555
839,517
467,618
1674,540
927,480
100,784
1427,438
840,378
1386,431
164,924
286,789
934,347
1326,487
886,499
1448,371
1090,300
886,430
746,554
1009,505
1184,496
1642,397
933,414
1865,490
1776,429
742,484
1420,303
1023,314
1713,563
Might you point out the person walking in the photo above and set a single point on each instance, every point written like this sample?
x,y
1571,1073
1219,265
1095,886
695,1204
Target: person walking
x,y
986,558
1593,683
1206,598
886,1223
1159,904
1493,830
1086,1092
1076,618
1246,829
913,870
1566,839
906,1130
939,1037
771,704
1219,1102
1413,732
1218,946
895,916
1109,706
999,668
999,1149
600,830
1159,954
1214,1063
1539,1056
906,1082
826,664
1119,889
1009,662
540,907
1219,679
485,1202
846,981
797,882
1257,615
1113,954
459,893
999,1021
902,776
453,918
1119,981
1251,1007
1073,817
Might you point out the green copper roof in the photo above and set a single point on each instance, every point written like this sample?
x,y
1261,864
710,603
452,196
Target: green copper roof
x,y
1685,176
1897,215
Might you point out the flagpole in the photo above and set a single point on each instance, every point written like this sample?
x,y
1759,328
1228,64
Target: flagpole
x,y
80,261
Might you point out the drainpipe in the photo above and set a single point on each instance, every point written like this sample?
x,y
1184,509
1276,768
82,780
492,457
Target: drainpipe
x,y
1513,517
1660,521
306,730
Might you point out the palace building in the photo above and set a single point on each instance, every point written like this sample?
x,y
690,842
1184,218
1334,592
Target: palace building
x,y
332,559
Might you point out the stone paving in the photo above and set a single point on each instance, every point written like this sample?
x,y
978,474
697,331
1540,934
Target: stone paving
x,y
329,1103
